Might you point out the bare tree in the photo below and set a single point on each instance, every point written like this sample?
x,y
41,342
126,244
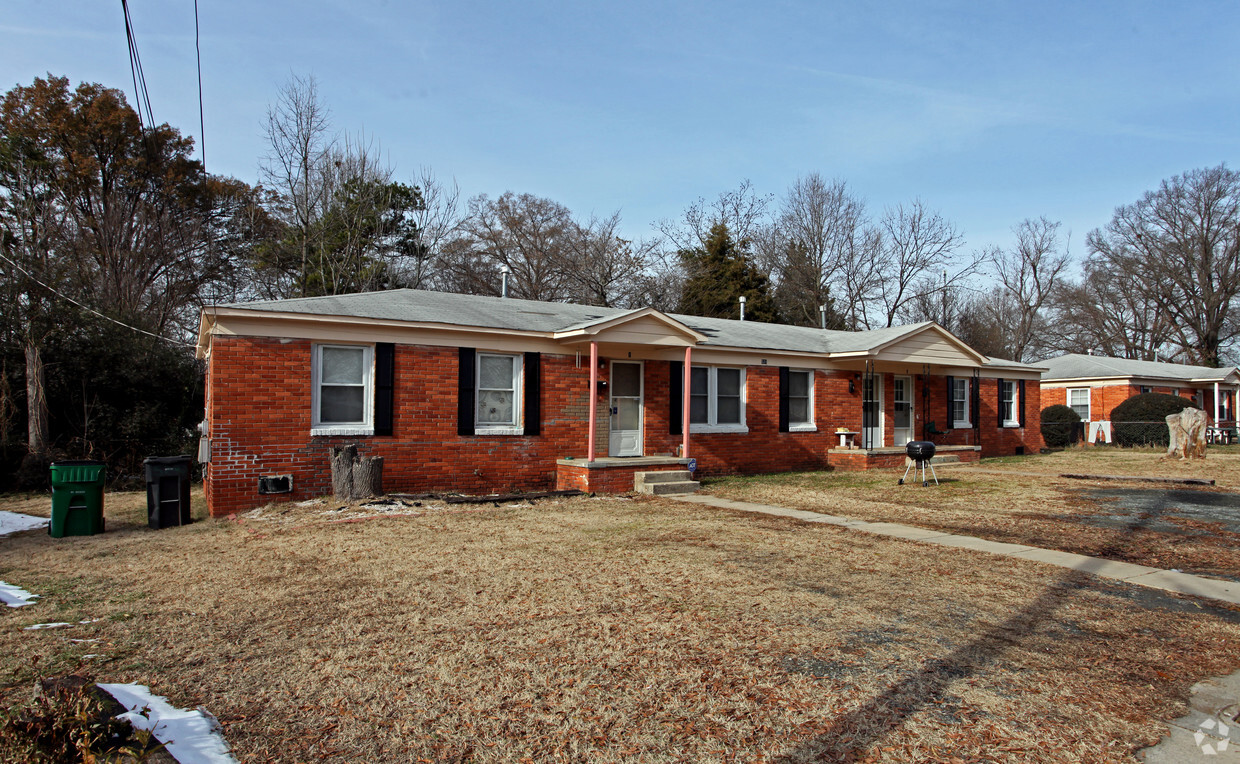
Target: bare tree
x,y
438,220
300,139
528,234
820,233
1029,273
1108,314
603,268
916,242
1181,245
742,210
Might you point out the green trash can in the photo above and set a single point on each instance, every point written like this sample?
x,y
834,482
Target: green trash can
x,y
77,499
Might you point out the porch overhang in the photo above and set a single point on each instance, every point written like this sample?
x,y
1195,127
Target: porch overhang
x,y
641,328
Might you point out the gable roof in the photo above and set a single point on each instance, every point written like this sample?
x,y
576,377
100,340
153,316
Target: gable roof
x,y
1078,366
566,320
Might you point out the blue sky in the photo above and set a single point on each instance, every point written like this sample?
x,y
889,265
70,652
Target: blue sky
x,y
989,112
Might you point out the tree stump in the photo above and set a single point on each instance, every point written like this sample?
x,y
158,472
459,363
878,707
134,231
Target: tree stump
x,y
355,477
1187,431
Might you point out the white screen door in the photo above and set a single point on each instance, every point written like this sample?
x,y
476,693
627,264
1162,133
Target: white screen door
x,y
626,408
902,400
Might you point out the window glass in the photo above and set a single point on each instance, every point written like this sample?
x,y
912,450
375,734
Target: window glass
x,y
342,385
497,390
1078,399
1009,401
729,396
798,397
699,395
960,401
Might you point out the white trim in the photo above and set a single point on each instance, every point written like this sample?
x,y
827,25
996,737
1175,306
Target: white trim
x,y
322,430
709,429
811,424
1014,422
966,423
517,426
1089,404
712,425
366,425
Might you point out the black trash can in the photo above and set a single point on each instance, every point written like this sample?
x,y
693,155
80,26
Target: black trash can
x,y
167,491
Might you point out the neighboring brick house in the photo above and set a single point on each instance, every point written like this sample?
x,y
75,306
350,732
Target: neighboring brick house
x,y
1094,385
482,394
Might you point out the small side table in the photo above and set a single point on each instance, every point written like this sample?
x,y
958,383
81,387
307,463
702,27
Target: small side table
x,y
846,438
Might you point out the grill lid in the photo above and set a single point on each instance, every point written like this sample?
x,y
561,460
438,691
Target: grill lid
x,y
920,450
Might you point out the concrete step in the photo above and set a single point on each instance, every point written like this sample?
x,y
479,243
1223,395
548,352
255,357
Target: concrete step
x,y
944,459
672,488
643,479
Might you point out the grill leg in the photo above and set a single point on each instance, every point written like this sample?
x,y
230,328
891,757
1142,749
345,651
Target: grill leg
x,y
909,466
932,474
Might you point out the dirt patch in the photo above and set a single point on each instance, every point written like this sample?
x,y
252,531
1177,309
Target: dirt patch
x,y
1165,511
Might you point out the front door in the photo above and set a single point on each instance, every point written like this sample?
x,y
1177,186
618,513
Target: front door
x,y
902,400
872,411
626,408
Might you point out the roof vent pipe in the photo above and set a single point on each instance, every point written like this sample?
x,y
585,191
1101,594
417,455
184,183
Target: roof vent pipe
x,y
822,316
742,307
504,270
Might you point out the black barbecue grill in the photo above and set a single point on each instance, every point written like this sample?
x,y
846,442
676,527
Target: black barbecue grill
x,y
920,452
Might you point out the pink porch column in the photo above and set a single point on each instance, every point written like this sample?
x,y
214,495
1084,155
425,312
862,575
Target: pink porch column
x,y
684,425
592,397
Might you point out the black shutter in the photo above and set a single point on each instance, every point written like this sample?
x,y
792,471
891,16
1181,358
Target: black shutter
x,y
533,394
783,399
951,410
385,383
1000,381
465,393
1021,404
676,400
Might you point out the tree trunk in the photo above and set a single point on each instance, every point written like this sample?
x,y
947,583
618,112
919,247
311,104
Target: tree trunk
x,y
355,477
343,458
36,402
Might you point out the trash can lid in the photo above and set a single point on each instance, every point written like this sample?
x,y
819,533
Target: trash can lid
x,y
167,459
78,463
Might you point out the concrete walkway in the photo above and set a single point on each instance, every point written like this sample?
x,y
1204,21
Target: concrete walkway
x,y
1167,580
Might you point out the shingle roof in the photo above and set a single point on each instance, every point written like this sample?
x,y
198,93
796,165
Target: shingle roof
x,y
419,306
1078,366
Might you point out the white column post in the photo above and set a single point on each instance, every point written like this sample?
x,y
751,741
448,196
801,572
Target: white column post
x,y
1216,404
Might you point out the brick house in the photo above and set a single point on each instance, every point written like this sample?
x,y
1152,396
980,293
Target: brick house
x,y
482,394
1094,385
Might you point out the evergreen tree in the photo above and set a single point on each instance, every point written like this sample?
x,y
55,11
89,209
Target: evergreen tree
x,y
718,274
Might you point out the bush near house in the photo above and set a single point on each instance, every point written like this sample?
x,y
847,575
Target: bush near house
x,y
1060,425
1141,420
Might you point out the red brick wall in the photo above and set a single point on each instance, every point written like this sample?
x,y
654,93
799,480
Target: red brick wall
x,y
258,404
1103,399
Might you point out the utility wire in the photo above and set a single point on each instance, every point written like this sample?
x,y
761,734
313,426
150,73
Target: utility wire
x,y
141,95
202,125
88,309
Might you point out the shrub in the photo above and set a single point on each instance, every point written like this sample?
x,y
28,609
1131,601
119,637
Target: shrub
x,y
1060,425
1142,419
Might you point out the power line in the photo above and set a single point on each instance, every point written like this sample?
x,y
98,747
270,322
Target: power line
x,y
88,309
141,95
202,125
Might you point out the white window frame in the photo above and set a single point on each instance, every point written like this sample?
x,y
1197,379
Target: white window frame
x,y
712,402
1011,405
965,423
1089,411
364,427
517,427
808,426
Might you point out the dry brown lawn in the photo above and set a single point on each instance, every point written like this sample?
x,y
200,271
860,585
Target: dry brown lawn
x,y
1023,500
607,630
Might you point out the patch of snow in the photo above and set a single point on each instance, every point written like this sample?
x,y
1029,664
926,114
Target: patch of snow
x,y
191,737
92,655
309,502
91,620
12,522
57,625
84,640
14,596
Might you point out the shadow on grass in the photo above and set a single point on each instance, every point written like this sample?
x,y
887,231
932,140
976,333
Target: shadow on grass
x,y
849,736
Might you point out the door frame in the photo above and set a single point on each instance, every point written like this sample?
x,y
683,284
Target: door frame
x,y
641,407
877,431
912,410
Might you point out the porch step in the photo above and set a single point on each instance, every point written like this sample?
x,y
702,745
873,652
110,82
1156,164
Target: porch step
x,y
662,482
944,459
